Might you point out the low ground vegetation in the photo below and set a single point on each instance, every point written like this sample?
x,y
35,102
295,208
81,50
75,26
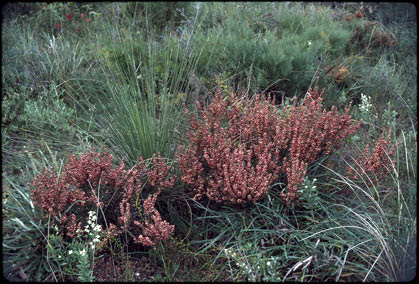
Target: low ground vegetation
x,y
209,141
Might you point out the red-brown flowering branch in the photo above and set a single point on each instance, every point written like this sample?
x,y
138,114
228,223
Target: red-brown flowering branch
x,y
233,155
377,162
154,228
239,148
69,196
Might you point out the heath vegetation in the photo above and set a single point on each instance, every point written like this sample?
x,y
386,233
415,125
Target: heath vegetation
x,y
209,141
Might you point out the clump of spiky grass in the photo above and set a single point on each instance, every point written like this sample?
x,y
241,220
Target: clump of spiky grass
x,y
378,222
146,86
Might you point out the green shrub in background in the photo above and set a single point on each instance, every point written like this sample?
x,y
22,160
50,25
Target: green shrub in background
x,y
157,15
19,9
131,60
49,17
20,59
44,115
388,13
121,58
32,60
280,53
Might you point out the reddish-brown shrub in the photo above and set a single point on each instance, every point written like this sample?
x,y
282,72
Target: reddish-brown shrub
x,y
233,155
377,162
314,132
90,181
239,148
156,229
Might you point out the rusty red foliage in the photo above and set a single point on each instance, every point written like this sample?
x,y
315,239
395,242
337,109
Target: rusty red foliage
x,y
378,162
239,148
90,181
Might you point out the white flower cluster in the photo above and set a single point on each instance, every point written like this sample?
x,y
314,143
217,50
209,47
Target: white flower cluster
x,y
307,188
271,270
230,253
83,252
365,103
245,266
93,229
254,267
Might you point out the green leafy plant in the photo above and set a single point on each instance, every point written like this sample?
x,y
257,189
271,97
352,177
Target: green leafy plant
x,y
309,194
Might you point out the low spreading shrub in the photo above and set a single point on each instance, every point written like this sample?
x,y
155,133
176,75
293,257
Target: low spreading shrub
x,y
239,148
90,183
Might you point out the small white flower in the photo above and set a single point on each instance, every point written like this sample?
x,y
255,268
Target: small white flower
x,y
365,103
70,252
83,252
309,43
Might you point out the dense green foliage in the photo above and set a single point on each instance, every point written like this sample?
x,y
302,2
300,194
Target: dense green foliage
x,y
119,77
